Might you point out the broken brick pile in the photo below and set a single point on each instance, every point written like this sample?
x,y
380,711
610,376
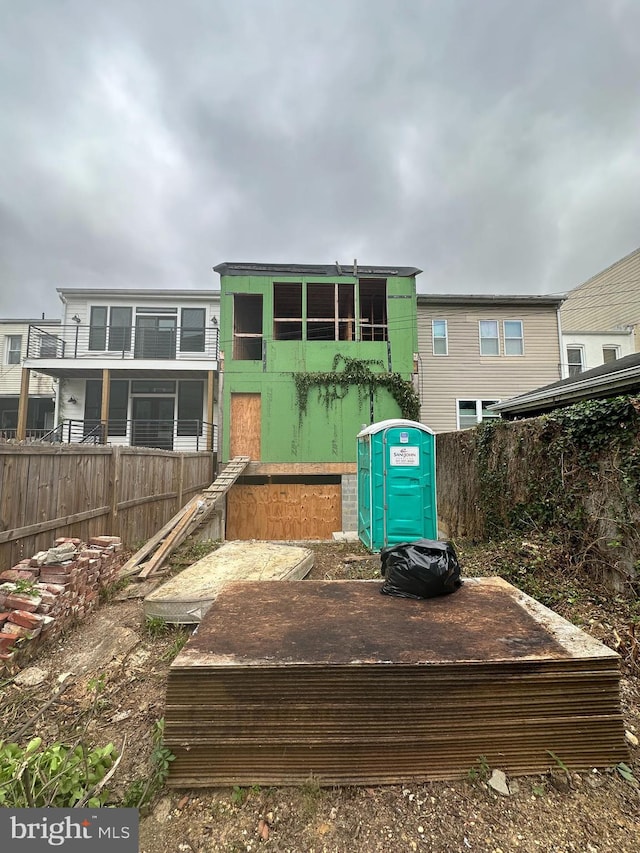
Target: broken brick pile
x,y
42,595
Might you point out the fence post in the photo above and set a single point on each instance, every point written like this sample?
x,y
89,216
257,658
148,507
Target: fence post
x,y
115,489
180,488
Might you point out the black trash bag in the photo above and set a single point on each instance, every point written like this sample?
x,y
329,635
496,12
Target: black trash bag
x,y
422,569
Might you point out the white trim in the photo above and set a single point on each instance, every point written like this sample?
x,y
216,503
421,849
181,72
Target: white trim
x,y
440,337
521,338
480,338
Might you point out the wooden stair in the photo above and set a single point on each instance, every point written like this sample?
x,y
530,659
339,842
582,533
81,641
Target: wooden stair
x,y
148,559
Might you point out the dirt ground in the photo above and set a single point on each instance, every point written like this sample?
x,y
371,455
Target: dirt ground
x,y
116,692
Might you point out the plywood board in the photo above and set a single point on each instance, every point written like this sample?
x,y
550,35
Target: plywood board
x,y
185,598
245,424
326,678
286,511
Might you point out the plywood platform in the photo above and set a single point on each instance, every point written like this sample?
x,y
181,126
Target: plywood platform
x,y
187,597
330,678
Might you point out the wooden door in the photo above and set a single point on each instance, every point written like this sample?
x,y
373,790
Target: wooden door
x,y
246,423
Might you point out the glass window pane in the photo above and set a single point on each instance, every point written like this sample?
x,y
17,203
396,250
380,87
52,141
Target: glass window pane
x,y
467,413
98,328
190,405
120,330
609,354
439,330
14,347
489,343
486,413
192,331
513,337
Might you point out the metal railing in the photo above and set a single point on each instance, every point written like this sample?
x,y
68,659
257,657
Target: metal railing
x,y
163,434
122,342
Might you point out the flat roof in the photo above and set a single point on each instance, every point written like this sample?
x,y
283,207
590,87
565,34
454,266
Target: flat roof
x,y
149,292
490,299
349,269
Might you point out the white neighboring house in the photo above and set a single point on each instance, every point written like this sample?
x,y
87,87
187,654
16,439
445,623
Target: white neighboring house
x,y
585,350
601,317
135,367
14,336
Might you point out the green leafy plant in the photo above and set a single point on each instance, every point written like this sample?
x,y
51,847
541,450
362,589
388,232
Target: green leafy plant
x,y
178,642
143,790
240,795
24,586
559,762
155,626
480,772
59,775
334,385
626,773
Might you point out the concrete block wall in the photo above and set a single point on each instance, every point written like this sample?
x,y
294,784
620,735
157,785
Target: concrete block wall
x,y
349,502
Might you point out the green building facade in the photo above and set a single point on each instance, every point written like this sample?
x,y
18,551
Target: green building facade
x,y
281,326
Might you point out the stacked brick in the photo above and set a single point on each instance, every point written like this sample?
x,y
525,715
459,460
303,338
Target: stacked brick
x,y
43,595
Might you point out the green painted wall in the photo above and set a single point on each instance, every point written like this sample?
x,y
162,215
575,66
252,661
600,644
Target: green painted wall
x,y
321,435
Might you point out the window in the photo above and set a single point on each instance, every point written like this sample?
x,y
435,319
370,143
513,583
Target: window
x,y
118,400
331,312
119,329
440,340
247,326
513,337
190,403
192,330
156,335
287,311
98,328
153,386
14,349
473,412
489,341
609,354
575,360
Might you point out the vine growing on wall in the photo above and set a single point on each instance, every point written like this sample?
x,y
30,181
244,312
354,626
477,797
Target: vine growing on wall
x,y
334,384
574,473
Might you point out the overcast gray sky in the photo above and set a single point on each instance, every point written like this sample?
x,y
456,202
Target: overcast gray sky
x,y
495,144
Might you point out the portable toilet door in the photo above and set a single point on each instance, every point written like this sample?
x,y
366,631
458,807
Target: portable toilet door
x,y
396,484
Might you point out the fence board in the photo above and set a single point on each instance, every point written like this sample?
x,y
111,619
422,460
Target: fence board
x,y
72,490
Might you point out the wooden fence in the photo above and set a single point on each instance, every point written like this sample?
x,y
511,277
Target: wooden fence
x,y
71,490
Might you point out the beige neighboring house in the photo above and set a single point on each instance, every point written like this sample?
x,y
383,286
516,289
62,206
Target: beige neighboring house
x,y
601,317
14,340
474,351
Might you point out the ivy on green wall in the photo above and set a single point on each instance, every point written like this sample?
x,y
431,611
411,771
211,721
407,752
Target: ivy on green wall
x,y
334,384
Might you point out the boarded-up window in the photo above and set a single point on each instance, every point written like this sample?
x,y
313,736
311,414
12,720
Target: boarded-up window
x,y
246,425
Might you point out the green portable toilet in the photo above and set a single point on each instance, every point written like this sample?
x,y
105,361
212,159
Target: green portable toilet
x,y
396,483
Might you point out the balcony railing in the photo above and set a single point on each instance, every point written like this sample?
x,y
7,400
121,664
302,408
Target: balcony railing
x,y
164,434
123,342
